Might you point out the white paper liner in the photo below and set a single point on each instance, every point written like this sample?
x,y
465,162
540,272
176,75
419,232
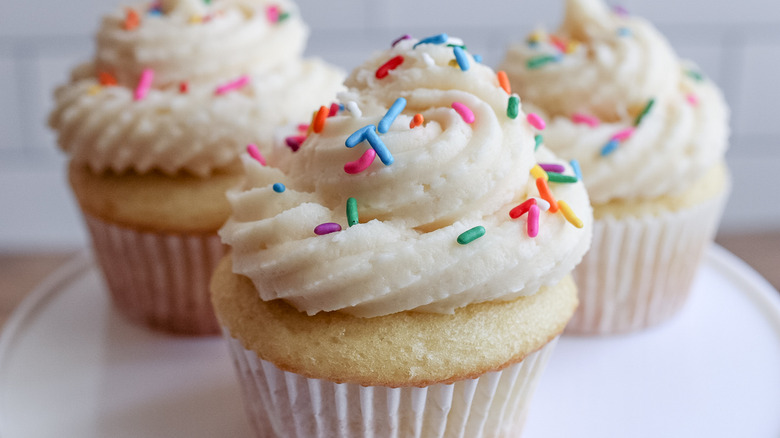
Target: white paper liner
x,y
159,279
638,272
286,405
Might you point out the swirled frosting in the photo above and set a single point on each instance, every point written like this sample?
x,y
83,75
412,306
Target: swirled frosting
x,y
447,176
595,78
250,50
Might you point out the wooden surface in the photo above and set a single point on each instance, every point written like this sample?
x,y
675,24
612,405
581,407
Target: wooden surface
x,y
20,273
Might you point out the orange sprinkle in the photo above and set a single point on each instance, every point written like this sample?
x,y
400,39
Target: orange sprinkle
x,y
546,194
319,119
132,19
503,80
106,79
416,121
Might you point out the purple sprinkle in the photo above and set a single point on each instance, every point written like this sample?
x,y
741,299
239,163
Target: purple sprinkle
x,y
403,37
620,10
327,228
557,168
295,142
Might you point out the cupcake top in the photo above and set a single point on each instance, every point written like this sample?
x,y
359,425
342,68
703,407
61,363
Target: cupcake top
x,y
641,122
184,85
415,194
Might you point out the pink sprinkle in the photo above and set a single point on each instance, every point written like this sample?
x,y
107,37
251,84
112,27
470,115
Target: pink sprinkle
x,y
230,86
624,134
144,84
692,99
334,109
586,119
295,141
254,152
327,228
548,167
365,160
272,12
536,121
303,127
464,111
533,221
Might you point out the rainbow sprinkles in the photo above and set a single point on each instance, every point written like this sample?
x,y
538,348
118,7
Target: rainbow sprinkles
x,y
544,174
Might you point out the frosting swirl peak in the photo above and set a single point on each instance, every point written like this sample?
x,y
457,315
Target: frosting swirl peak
x,y
184,85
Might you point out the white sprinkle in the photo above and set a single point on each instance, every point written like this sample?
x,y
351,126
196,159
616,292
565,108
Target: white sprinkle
x,y
456,41
428,60
353,108
543,205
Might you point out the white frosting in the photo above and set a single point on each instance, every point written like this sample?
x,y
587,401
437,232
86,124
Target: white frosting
x,y
205,47
448,177
616,66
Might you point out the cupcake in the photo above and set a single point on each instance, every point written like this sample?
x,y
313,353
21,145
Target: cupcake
x,y
402,273
649,132
154,125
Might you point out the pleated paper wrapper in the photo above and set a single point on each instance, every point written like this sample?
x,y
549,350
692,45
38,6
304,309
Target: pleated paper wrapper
x,y
160,280
287,405
639,270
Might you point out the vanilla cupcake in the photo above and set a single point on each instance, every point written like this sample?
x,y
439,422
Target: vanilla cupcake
x,y
649,132
154,125
401,273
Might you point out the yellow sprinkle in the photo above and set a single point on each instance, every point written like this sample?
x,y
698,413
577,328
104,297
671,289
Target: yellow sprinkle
x,y
537,172
535,36
94,89
454,63
311,125
195,19
569,214
571,46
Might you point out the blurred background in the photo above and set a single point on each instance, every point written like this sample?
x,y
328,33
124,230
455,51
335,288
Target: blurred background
x,y
737,44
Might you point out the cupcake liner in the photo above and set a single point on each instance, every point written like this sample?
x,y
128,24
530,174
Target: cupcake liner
x,y
158,279
285,405
639,270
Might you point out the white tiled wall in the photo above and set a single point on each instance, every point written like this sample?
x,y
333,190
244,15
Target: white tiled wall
x,y
736,43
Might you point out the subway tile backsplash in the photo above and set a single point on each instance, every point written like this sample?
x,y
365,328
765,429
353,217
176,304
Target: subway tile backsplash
x,y
736,43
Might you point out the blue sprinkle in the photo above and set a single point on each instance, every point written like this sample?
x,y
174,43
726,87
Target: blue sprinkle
x,y
279,187
575,165
341,107
477,58
436,39
358,136
392,113
379,147
624,31
609,148
460,56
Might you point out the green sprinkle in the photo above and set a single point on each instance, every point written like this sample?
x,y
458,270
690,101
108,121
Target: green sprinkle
x,y
513,108
541,61
471,235
283,16
644,112
538,139
352,212
561,178
698,77
462,46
